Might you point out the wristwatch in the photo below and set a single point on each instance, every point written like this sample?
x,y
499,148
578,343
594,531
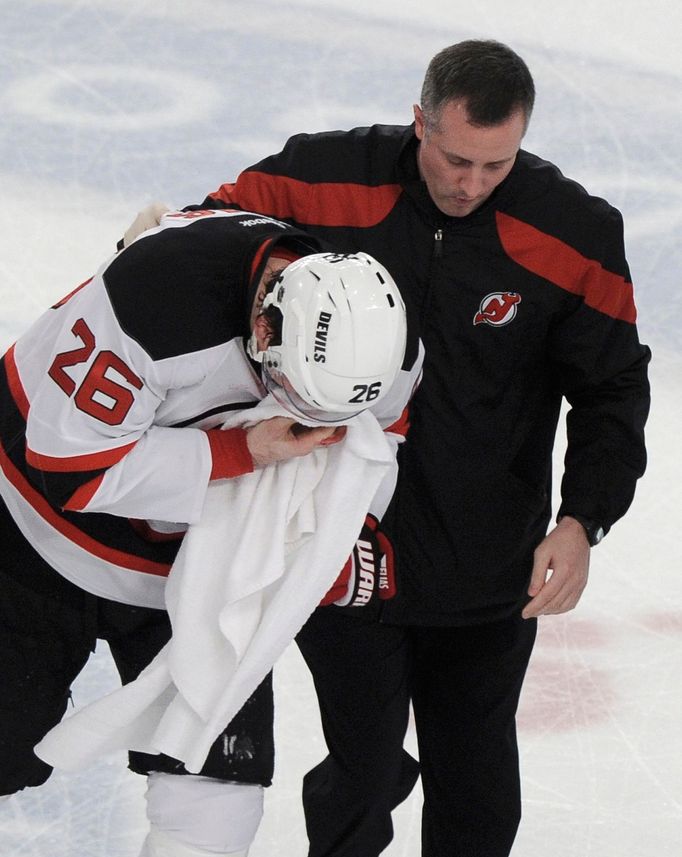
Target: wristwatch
x,y
593,530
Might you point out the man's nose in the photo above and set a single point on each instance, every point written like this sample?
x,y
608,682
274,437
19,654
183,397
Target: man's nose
x,y
472,183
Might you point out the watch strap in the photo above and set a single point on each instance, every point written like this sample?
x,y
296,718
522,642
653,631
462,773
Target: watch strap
x,y
593,530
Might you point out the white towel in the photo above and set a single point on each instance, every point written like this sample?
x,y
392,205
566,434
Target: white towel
x,y
267,548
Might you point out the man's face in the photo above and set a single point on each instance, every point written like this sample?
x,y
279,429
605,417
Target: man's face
x,y
274,265
462,164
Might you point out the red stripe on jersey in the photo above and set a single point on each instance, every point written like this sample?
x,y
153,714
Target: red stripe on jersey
x,y
288,255
550,258
83,495
319,203
78,463
71,532
402,424
71,294
229,453
258,258
277,253
15,385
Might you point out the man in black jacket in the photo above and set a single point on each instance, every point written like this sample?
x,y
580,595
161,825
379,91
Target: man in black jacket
x,y
516,281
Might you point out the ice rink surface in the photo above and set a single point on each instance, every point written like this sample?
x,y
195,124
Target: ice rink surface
x,y
108,105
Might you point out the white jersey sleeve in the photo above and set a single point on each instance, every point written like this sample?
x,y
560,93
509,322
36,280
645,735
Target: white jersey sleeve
x,y
94,396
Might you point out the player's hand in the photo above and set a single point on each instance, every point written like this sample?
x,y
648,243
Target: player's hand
x,y
148,218
560,570
280,438
369,571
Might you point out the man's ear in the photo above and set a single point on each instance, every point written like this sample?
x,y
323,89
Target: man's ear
x,y
418,121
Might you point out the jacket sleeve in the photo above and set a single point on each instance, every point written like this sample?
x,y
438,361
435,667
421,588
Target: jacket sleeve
x,y
602,368
323,181
270,187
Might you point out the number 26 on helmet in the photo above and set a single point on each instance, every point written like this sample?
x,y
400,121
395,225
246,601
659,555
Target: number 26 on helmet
x,y
343,333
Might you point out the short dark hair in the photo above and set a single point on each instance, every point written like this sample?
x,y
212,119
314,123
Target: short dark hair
x,y
490,77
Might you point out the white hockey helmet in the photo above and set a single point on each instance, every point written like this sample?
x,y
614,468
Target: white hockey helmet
x,y
343,336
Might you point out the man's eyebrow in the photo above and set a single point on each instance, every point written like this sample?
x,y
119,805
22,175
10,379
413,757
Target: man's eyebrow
x,y
455,157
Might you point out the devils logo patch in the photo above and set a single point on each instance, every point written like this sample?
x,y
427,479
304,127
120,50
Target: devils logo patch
x,y
497,308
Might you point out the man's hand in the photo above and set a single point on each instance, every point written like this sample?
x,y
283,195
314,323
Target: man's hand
x,y
368,573
566,553
146,219
280,438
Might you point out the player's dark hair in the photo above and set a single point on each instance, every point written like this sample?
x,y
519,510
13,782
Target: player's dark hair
x,y
491,78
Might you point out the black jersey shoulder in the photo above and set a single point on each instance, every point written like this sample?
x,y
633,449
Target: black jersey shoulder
x,y
185,289
538,193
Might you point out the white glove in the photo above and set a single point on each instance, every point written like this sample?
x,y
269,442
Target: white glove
x,y
146,219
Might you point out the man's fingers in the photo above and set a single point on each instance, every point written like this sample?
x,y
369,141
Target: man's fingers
x,y
280,438
319,435
337,435
556,596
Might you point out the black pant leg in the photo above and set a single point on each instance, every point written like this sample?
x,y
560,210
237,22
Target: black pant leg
x,y
360,670
47,632
135,635
244,752
466,688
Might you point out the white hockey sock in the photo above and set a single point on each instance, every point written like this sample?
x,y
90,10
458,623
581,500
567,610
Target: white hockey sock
x,y
193,816
158,844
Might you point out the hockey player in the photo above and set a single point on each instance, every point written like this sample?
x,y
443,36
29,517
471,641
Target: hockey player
x,y
111,405
516,280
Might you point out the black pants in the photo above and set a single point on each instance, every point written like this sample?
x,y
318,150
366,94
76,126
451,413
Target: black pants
x,y
464,684
48,629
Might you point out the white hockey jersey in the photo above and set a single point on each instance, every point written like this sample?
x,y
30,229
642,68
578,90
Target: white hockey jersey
x,y
106,398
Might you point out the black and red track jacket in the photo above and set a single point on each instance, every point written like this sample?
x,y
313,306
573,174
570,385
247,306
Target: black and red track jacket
x,y
523,302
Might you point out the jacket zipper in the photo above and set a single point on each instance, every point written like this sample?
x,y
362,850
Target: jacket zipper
x,y
434,266
438,239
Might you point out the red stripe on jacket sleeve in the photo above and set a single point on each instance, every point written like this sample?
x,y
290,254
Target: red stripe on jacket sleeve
x,y
554,260
319,203
78,463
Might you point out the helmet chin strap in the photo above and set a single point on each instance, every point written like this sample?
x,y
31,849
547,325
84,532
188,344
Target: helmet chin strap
x,y
261,328
252,348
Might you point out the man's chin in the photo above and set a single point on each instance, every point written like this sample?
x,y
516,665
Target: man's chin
x,y
455,207
458,208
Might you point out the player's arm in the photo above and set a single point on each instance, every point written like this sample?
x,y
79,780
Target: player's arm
x,y
602,367
91,395
90,398
268,187
274,186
